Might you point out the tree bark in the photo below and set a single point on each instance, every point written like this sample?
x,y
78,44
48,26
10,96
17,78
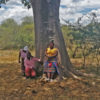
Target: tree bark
x,y
47,27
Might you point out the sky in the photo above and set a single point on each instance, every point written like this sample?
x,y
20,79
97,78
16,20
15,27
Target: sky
x,y
69,10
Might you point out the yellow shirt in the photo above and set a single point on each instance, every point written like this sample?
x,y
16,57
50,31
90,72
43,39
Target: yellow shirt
x,y
51,52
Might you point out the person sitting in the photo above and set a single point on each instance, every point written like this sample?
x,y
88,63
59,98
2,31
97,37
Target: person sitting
x,y
29,64
22,54
50,65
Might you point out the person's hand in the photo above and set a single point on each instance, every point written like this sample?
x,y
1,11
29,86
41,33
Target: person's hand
x,y
41,62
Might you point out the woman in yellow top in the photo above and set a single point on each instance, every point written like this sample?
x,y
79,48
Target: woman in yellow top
x,y
50,66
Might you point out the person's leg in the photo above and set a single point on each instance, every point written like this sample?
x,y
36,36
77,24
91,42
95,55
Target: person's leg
x,y
33,73
27,72
51,75
45,71
48,75
52,71
23,67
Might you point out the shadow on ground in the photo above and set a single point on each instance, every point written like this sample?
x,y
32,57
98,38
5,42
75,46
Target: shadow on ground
x,y
13,86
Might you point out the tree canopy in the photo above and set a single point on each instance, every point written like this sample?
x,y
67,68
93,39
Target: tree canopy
x,y
15,36
25,2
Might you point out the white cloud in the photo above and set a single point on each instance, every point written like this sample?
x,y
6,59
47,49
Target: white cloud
x,y
69,10
14,9
77,8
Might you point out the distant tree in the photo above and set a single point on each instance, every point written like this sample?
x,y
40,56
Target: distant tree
x,y
27,20
9,23
86,37
15,36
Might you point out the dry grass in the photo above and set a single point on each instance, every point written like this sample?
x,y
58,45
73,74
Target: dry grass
x,y
10,56
15,87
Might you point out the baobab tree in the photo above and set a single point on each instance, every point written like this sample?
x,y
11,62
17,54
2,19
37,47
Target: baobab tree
x,y
47,27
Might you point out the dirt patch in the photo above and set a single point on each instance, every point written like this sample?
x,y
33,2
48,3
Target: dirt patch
x,y
13,86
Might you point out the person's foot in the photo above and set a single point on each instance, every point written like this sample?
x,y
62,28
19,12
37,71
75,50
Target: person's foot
x,y
23,78
27,77
33,77
23,74
51,80
55,80
47,79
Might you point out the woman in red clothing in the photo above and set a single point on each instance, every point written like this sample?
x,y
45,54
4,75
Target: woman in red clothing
x,y
29,63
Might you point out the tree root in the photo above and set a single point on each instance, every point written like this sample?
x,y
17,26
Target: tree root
x,y
77,73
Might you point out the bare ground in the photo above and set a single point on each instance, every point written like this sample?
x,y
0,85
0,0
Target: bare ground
x,y
13,86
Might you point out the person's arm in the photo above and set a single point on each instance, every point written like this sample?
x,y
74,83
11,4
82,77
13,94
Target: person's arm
x,y
25,62
19,57
46,53
37,59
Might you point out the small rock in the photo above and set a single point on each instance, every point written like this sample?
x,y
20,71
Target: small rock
x,y
93,83
34,92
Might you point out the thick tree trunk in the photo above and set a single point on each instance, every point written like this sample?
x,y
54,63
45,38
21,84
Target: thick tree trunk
x,y
47,27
